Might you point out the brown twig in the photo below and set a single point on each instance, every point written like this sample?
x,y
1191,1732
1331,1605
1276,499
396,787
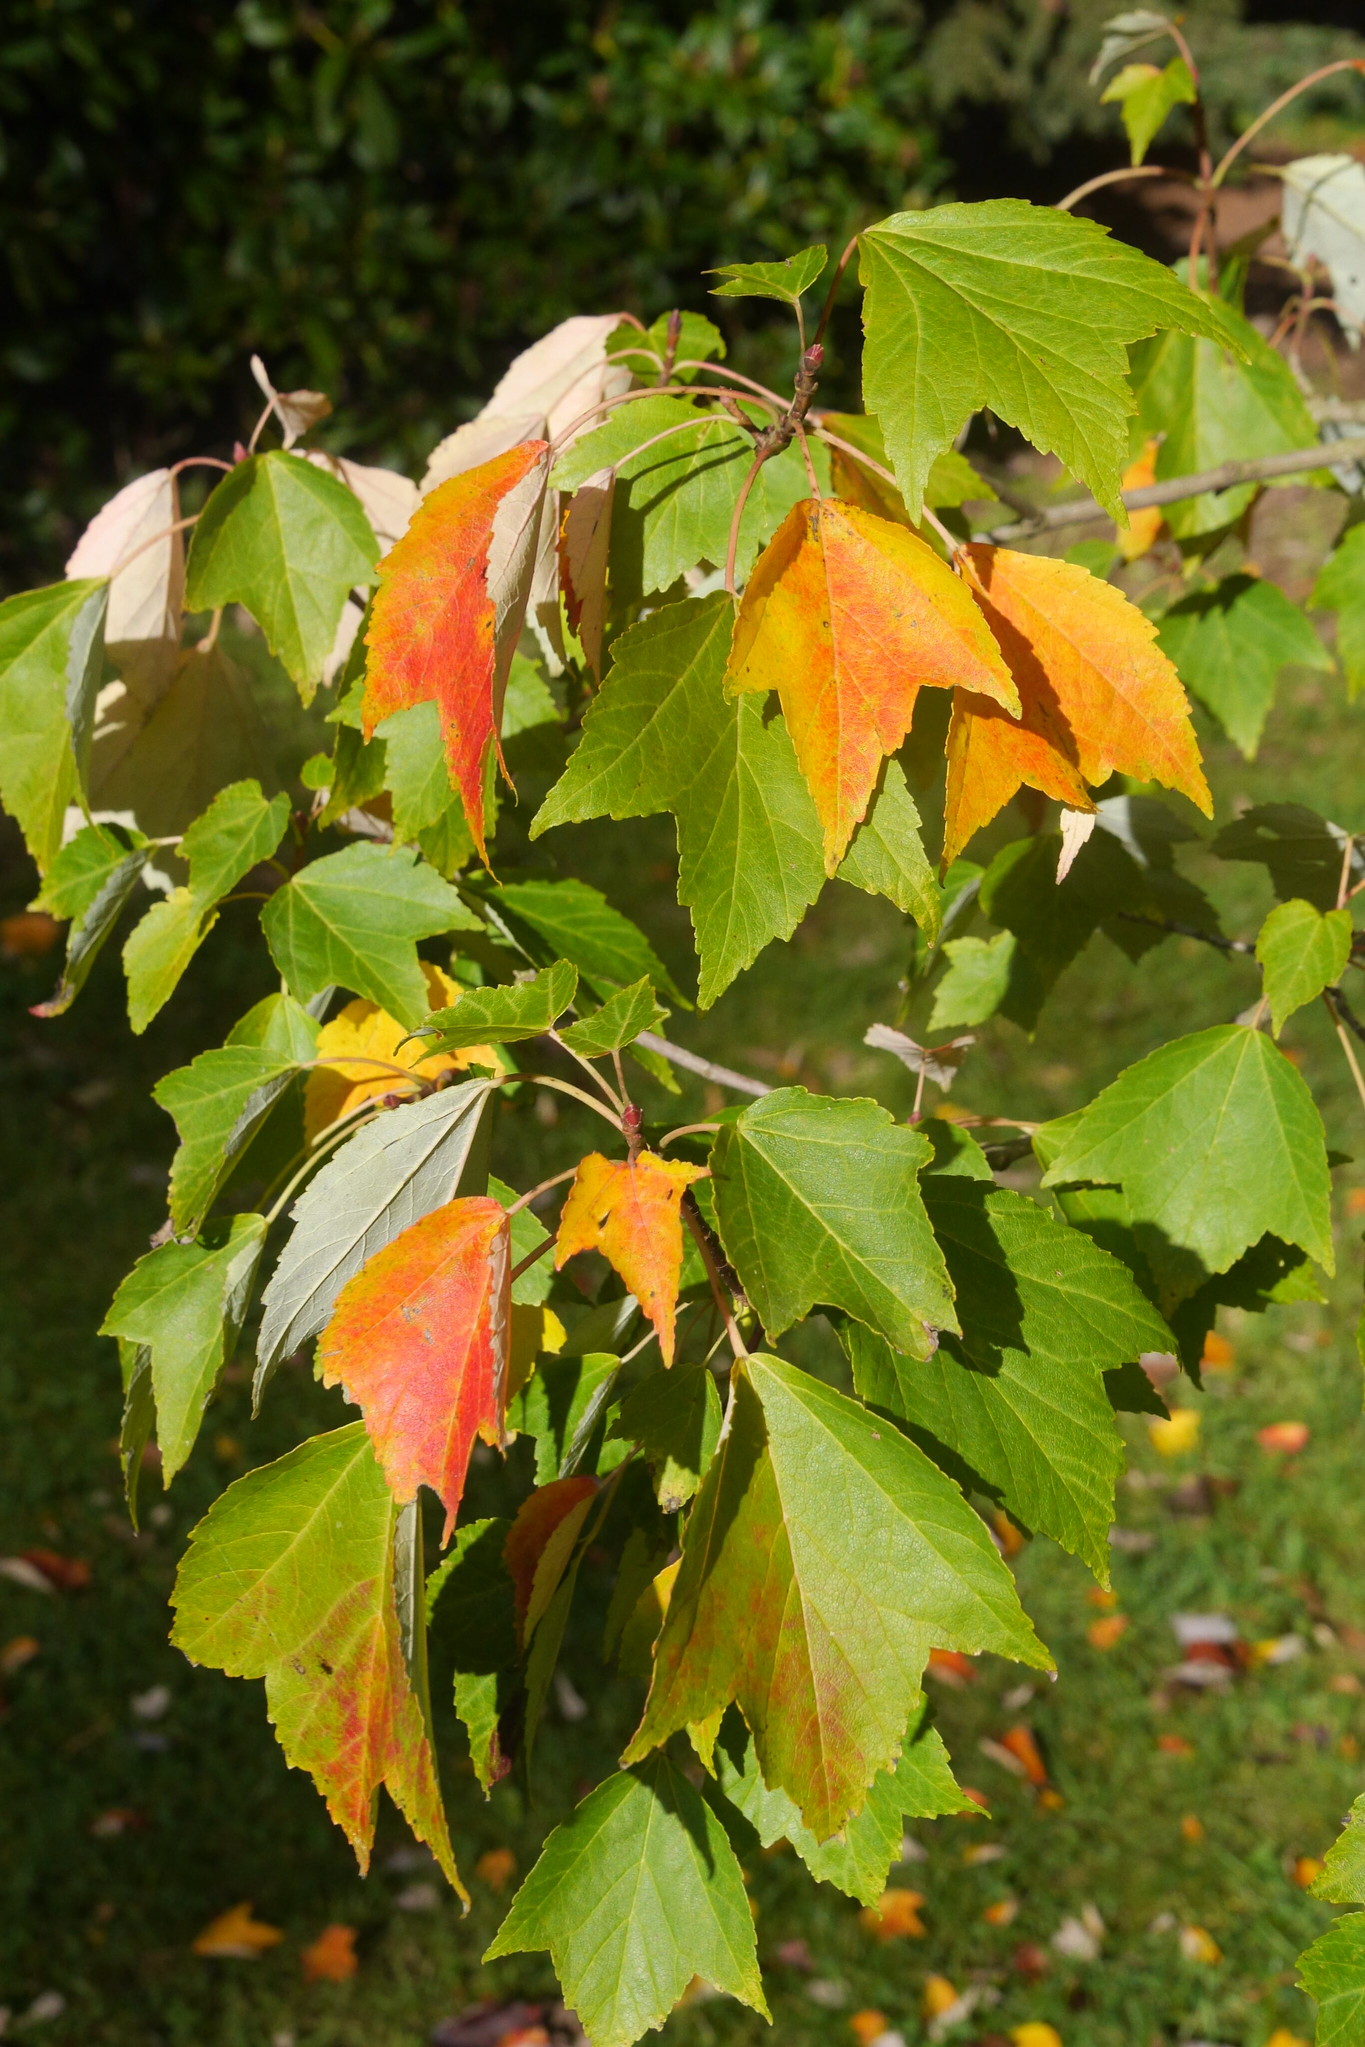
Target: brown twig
x,y
692,1062
727,1316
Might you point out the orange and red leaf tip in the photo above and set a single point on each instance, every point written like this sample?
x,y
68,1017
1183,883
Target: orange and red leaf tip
x,y
448,610
418,1339
630,1212
847,616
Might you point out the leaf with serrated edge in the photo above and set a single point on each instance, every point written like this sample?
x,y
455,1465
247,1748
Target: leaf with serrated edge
x,y
505,1015
290,1577
51,656
1020,1394
451,599
1146,96
635,1895
539,1542
1341,588
1301,950
629,1210
1341,1880
817,1201
674,1419
289,542
784,281
847,616
418,1341
819,1626
396,1169
857,1861
887,856
353,918
1020,308
185,1302
1229,646
363,1052
617,1023
475,1591
91,881
576,919
217,1103
1216,1141
1332,1972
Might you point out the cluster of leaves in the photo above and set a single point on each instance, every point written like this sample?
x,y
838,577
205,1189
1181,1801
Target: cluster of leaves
x,y
725,604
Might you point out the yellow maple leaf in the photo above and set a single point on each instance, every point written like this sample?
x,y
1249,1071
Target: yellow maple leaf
x,y
237,1935
363,1044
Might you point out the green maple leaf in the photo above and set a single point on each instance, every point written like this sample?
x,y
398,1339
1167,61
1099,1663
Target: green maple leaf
x,y
662,735
673,1418
921,1785
1020,1395
478,1620
236,833
784,281
91,881
51,653
220,1100
184,1304
617,1023
354,918
817,1201
1332,1972
634,1895
395,1170
578,923
1302,950
1215,1141
505,1015
1019,308
818,1624
1230,644
1222,399
1147,96
291,1576
1342,1878
1341,588
288,541
887,856
1303,853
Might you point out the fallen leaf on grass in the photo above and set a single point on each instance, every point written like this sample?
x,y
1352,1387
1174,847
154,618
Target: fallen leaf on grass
x,y
1102,1596
951,1667
895,1916
331,1958
1191,1829
982,1852
21,1573
496,1867
1080,1935
1029,1961
236,1935
28,935
1106,1633
1174,1745
1218,1355
1196,1945
1050,1800
1035,2033
939,1996
68,1574
1282,2037
1003,1912
866,2026
119,1819
1284,1439
1020,1743
19,1650
1307,1870
1176,1436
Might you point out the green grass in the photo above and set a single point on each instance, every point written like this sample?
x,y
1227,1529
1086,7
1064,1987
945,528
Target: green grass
x,y
107,1922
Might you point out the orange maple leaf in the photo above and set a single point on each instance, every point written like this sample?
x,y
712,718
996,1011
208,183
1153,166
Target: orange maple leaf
x,y
847,616
418,1340
630,1212
1143,526
451,598
539,1541
1097,694
331,1958
363,1043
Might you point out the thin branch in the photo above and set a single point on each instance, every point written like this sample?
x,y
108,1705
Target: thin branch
x,y
772,441
1347,856
566,1087
1276,106
259,427
692,1062
811,477
531,1194
1119,177
617,1102
727,1314
732,548
1214,938
834,284
531,1258
936,525
1080,511
1344,1018
713,369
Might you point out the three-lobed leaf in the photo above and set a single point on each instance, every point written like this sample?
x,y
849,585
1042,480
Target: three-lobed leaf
x,y
1301,950
506,1015
51,652
630,1211
784,281
1230,644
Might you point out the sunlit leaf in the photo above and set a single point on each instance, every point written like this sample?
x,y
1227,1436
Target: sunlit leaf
x,y
629,1211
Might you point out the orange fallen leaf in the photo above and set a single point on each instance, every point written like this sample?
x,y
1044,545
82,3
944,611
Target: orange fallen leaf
x,y
866,2026
895,1916
978,1798
1143,525
331,1958
939,1995
1174,1745
448,611
1197,1945
1102,1596
631,1213
540,1539
1008,1539
1355,1201
1035,2033
1003,1912
1307,1870
418,1340
496,1867
1098,696
847,616
28,935
1021,1744
952,1667
237,1935
584,544
68,1574
1284,1439
1191,1829
116,1820
1218,1354
1175,1436
363,1043
1106,1633
1282,2037
19,1650
1050,1800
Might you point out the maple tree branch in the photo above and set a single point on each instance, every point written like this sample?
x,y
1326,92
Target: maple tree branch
x,y
532,1257
1313,78
772,441
259,427
1214,938
1259,469
533,1193
771,398
1345,1019
1118,177
692,1062
834,284
671,337
727,1315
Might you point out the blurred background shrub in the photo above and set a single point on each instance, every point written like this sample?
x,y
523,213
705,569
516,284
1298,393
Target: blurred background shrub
x,y
387,198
